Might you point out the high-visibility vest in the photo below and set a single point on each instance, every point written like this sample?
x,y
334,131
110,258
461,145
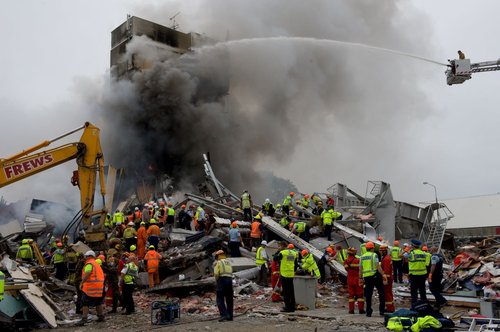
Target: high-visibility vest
x,y
395,252
305,203
118,217
245,201
129,232
287,264
284,222
336,215
327,216
153,230
363,248
94,285
223,268
309,265
416,262
2,284
153,259
170,212
267,206
258,257
132,272
301,226
256,233
58,256
368,264
107,222
198,211
342,255
24,252
287,200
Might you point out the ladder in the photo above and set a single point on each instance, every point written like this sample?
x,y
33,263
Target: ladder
x,y
435,223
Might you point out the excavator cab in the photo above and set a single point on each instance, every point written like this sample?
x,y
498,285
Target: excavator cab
x,y
459,71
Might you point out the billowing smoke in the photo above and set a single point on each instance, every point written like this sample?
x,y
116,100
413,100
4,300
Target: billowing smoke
x,y
253,104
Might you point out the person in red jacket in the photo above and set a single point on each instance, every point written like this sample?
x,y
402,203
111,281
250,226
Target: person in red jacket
x,y
387,268
351,264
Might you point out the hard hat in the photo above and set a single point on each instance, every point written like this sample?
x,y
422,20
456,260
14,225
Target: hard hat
x,y
278,205
297,201
133,247
238,209
304,252
169,204
320,203
151,247
306,196
130,223
396,243
146,205
424,248
263,243
380,238
234,224
291,225
152,221
329,250
98,261
25,241
89,253
352,251
267,200
59,244
102,258
369,245
383,247
143,223
136,208
258,217
219,252
162,203
118,247
183,206
406,244
291,246
292,193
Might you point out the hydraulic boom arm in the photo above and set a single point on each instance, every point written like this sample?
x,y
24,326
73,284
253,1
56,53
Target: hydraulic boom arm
x,y
460,70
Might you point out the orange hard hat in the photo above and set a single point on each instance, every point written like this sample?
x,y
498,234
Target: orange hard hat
x,y
424,248
234,224
183,206
306,196
304,252
396,243
59,244
102,258
329,250
291,246
380,238
290,225
369,245
292,193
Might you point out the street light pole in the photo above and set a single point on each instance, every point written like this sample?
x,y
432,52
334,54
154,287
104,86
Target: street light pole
x,y
435,190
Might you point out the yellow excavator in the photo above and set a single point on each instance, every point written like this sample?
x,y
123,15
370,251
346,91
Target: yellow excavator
x,y
90,161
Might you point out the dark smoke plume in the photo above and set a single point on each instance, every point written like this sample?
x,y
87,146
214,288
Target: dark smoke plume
x,y
253,103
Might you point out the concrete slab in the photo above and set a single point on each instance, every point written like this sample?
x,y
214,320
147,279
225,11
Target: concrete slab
x,y
241,263
34,296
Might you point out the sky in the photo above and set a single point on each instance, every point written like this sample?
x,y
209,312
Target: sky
x,y
393,118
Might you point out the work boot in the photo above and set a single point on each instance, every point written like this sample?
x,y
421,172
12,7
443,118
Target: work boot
x,y
369,312
222,319
362,312
351,312
101,319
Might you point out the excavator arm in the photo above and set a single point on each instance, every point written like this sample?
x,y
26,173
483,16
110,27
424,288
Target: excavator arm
x,y
90,161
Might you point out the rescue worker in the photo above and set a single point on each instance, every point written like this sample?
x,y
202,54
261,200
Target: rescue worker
x,y
246,205
117,217
146,216
153,233
256,232
341,254
262,262
435,278
92,286
112,282
152,262
170,218
25,253
300,228
417,271
461,55
351,265
128,274
406,251
72,261
386,265
323,262
118,231
287,202
318,209
161,215
371,275
427,258
288,259
309,264
397,263
305,204
58,259
2,285
200,218
268,208
184,218
107,222
130,235
223,274
137,215
235,240
327,219
285,221
142,238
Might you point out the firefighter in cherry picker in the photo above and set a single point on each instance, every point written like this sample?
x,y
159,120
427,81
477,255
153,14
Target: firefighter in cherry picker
x,y
355,289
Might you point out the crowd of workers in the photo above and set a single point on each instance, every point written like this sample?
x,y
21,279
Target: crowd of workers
x,y
133,241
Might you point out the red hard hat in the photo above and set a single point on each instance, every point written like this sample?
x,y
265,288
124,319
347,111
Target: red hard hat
x,y
304,252
291,246
380,238
369,245
59,244
292,193
306,196
183,206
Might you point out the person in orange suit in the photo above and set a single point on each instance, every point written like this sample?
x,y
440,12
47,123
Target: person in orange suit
x,y
351,264
142,237
386,265
152,261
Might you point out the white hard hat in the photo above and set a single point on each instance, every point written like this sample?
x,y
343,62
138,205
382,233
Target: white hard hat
x,y
264,243
406,244
268,200
130,223
90,253
136,208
